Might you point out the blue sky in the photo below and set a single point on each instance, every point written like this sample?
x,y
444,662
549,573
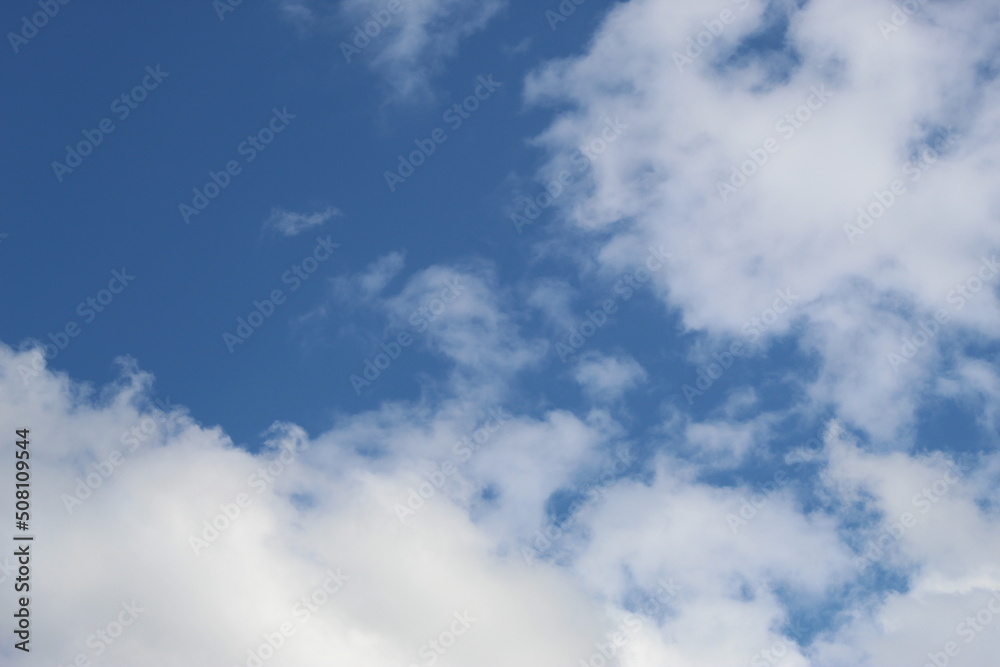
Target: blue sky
x,y
702,293
120,207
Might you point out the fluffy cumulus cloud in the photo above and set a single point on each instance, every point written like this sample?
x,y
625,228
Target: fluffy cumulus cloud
x,y
461,531
837,153
819,173
300,545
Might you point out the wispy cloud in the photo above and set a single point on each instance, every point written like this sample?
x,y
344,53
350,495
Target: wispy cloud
x,y
369,283
406,42
290,223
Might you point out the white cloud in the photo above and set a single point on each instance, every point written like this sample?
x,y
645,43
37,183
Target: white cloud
x,y
369,284
290,223
406,42
931,526
674,528
883,101
457,313
462,314
747,557
607,377
553,298
321,507
415,44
